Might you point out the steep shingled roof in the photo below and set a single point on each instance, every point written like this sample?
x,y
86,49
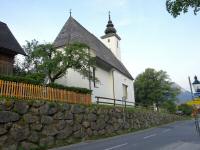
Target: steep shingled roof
x,y
73,31
8,41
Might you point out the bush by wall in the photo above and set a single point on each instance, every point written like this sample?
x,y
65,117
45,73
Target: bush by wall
x,y
186,109
36,124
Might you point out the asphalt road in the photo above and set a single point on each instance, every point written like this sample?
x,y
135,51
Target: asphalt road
x,y
176,136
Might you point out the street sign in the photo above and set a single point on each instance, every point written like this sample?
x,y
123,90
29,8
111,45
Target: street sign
x,y
194,102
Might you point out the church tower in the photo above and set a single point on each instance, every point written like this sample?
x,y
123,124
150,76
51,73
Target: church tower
x,y
111,39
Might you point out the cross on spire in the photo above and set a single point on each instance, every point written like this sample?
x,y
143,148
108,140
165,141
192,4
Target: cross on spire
x,y
109,14
70,12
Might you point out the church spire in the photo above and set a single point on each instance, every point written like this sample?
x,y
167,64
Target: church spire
x,y
110,27
70,12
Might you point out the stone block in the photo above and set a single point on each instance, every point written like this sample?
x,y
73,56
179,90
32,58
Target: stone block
x,y
21,107
7,116
46,120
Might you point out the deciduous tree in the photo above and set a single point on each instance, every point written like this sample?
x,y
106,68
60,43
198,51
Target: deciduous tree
x,y
176,7
154,87
55,63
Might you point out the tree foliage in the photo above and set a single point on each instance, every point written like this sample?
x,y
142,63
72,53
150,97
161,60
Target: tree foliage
x,y
44,60
27,67
55,63
170,106
154,87
176,7
28,64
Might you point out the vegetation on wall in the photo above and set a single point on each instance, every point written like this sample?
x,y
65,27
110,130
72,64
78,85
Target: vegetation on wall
x,y
20,79
75,89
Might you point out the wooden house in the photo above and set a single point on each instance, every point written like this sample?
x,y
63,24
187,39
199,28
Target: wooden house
x,y
9,47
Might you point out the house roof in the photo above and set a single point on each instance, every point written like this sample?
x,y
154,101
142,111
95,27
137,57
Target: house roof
x,y
8,41
73,31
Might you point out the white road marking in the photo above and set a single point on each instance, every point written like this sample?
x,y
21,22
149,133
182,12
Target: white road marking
x,y
117,146
167,130
146,137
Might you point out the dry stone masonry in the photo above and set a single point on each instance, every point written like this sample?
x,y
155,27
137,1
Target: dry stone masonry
x,y
34,124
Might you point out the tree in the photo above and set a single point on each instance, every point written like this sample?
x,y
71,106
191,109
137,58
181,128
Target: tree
x,y
27,67
55,63
154,87
28,64
175,7
170,106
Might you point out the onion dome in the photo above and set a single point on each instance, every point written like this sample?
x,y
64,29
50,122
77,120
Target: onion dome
x,y
110,27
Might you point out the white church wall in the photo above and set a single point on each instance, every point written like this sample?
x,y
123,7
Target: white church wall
x,y
105,86
73,78
119,80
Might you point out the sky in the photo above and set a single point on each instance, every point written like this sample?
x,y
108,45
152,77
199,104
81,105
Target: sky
x,y
151,37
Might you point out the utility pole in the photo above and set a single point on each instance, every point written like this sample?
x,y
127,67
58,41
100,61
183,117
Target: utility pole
x,y
191,88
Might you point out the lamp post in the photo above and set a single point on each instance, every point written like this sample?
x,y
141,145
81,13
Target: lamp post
x,y
196,86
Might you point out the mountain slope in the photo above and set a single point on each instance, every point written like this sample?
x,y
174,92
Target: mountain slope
x,y
184,95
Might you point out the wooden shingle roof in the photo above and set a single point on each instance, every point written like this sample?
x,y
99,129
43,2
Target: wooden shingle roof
x,y
8,41
73,31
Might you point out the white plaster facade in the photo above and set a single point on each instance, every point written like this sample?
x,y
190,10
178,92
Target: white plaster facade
x,y
113,43
110,84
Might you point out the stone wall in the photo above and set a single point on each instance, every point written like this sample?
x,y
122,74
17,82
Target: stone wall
x,y
30,124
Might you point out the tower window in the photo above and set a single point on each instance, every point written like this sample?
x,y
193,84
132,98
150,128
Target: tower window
x,y
108,40
117,44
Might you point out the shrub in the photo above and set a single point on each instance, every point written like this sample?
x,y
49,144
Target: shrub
x,y
75,89
186,109
29,80
170,106
40,77
20,79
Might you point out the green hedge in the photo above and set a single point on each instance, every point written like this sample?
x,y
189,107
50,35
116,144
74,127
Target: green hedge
x,y
53,85
20,79
75,89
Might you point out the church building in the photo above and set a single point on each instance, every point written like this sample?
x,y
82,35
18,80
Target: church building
x,y
115,81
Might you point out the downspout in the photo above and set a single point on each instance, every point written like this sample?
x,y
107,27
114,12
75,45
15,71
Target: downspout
x,y
89,72
113,84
